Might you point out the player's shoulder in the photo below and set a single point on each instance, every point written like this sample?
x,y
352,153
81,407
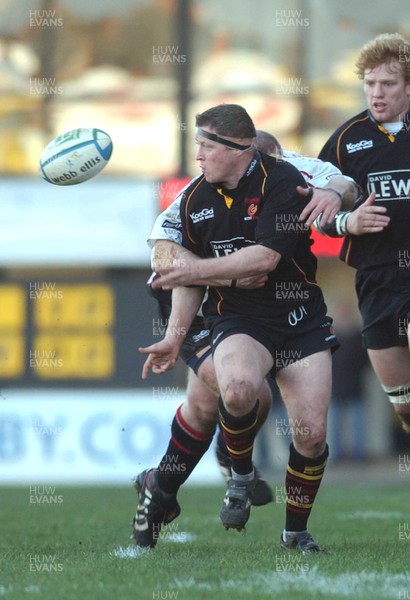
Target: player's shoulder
x,y
359,120
192,187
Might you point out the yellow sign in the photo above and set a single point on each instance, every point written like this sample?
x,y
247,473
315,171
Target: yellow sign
x,y
12,307
72,306
73,356
73,337
12,322
12,361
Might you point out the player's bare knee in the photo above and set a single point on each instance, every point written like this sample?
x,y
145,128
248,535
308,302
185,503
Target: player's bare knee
x,y
239,397
310,440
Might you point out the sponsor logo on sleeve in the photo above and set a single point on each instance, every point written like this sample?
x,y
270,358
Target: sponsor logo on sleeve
x,y
171,224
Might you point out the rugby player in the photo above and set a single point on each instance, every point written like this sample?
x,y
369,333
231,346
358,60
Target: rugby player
x,y
329,190
250,329
373,147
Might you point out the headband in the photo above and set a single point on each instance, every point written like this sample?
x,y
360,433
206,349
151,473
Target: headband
x,y
220,140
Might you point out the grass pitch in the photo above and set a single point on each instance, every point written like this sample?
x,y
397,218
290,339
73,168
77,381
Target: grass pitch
x,y
74,544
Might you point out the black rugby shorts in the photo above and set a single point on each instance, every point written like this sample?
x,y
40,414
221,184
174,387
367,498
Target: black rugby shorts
x,y
384,303
288,339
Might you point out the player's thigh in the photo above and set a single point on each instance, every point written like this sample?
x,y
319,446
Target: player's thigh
x,y
305,386
206,373
200,394
240,360
391,365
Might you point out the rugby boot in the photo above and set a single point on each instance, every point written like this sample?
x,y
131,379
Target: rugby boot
x,y
237,504
302,541
155,509
262,493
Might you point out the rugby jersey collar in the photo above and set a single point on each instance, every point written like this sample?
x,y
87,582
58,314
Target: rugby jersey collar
x,y
245,178
380,126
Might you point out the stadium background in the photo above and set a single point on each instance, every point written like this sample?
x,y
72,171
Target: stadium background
x,y
74,262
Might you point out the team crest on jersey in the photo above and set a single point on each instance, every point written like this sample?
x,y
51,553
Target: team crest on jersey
x,y
362,145
252,210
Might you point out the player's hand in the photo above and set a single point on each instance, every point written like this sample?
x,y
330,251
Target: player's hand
x,y
165,253
323,202
162,357
368,218
251,283
184,271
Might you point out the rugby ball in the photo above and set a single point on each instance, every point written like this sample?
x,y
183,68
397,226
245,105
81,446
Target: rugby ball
x,y
75,156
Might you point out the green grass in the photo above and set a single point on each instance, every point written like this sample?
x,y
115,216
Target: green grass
x,y
69,550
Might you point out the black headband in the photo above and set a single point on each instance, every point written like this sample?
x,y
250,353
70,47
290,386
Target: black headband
x,y
220,140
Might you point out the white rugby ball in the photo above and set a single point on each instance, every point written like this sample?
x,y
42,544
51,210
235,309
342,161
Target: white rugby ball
x,y
75,156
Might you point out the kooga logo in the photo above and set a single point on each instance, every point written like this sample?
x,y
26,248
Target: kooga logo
x,y
206,213
363,145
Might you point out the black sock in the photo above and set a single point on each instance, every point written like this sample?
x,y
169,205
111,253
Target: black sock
x,y
185,449
239,434
303,478
220,442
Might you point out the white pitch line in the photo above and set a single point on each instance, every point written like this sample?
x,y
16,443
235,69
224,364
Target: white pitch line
x,y
378,586
129,552
176,537
373,514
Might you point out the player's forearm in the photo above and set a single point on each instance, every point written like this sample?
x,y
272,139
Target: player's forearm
x,y
165,253
253,260
347,189
337,228
185,305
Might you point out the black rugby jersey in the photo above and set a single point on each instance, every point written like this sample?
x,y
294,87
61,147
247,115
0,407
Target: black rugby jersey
x,y
362,151
263,209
